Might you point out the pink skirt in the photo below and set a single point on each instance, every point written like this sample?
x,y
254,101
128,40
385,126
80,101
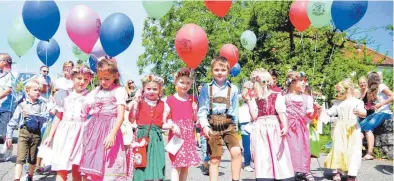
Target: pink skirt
x,y
270,151
97,162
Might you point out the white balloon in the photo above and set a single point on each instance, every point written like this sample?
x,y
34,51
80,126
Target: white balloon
x,y
248,40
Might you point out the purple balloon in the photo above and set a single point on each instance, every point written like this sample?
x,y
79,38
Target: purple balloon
x,y
98,51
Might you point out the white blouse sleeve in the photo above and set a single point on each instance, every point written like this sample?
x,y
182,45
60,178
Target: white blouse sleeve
x,y
280,105
309,104
120,96
325,115
59,99
166,112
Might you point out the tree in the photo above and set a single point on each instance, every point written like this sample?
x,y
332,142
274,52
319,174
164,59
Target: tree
x,y
324,54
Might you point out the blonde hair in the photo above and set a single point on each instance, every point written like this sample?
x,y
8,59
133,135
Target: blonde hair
x,y
345,86
108,65
357,92
258,77
68,62
363,78
152,78
220,61
33,83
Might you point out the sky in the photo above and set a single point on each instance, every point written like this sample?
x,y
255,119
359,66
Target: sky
x,y
378,14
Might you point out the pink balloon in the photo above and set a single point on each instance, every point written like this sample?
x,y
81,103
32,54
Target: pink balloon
x,y
83,27
98,51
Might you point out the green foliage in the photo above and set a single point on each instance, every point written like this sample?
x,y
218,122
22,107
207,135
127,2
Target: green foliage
x,y
317,52
388,78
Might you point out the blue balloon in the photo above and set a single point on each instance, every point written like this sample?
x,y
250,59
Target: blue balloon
x,y
93,64
48,52
116,34
347,13
235,70
42,18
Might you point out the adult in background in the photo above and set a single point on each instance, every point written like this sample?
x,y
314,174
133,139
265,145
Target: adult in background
x,y
7,101
131,90
363,84
379,98
47,83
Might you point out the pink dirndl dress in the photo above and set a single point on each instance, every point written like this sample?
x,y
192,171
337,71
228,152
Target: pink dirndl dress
x,y
298,136
98,163
182,115
270,151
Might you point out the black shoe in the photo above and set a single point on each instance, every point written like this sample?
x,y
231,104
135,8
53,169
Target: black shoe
x,y
205,171
299,176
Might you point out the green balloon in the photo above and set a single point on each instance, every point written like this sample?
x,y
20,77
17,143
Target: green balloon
x,y
319,13
19,38
248,40
157,9
80,54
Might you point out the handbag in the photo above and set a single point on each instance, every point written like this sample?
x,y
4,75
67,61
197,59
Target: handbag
x,y
140,153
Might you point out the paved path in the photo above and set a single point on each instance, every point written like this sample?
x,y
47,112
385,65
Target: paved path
x,y
374,170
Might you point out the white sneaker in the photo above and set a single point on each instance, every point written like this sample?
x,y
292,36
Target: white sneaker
x,y
248,169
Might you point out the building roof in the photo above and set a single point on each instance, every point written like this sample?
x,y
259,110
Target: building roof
x,y
377,58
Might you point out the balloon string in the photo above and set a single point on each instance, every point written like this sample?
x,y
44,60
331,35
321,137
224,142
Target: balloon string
x,y
303,51
332,52
314,64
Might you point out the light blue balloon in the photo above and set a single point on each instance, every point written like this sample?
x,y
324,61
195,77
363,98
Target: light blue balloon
x,y
248,40
48,52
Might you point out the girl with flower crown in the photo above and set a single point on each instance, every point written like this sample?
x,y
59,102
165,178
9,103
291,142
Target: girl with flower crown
x,y
150,114
345,155
67,142
299,113
183,113
269,146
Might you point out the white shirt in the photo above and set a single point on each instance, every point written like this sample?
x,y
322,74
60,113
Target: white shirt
x,y
381,98
244,114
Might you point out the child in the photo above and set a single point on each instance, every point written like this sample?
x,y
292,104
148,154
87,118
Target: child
x,y
269,147
183,112
299,111
218,101
67,142
103,152
150,114
28,117
345,155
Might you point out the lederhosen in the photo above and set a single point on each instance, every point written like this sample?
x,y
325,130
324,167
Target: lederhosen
x,y
222,126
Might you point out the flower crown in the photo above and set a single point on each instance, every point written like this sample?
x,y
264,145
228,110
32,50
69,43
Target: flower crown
x,y
183,72
152,78
82,70
300,76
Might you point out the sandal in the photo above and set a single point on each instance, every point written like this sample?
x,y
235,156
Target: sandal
x,y
337,177
368,156
309,177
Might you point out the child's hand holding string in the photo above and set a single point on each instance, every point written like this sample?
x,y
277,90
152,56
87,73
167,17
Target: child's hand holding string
x,y
109,141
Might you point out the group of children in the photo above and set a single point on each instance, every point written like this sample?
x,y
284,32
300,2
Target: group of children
x,y
86,138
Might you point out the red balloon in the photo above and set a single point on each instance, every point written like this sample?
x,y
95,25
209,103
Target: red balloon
x,y
231,53
219,8
191,44
299,16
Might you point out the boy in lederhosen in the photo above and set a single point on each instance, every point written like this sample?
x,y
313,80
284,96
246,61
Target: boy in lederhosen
x,y
29,117
216,114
